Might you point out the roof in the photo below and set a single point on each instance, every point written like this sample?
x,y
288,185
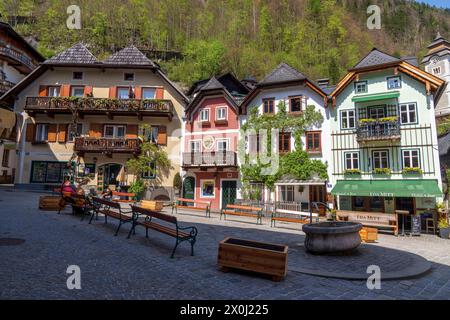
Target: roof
x,y
77,54
212,84
129,56
235,87
375,58
444,144
282,73
437,41
8,29
439,47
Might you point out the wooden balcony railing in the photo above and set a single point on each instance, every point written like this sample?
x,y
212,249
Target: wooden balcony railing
x,y
18,56
99,106
372,131
209,159
5,86
107,145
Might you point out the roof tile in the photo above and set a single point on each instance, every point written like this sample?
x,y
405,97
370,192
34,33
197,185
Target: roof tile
x,y
77,54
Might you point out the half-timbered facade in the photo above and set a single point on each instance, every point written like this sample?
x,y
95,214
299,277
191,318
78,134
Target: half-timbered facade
x,y
90,113
384,145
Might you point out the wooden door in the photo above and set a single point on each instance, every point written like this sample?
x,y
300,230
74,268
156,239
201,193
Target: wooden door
x,y
318,194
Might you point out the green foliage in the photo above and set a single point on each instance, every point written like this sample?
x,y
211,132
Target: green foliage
x,y
137,187
386,171
412,170
443,223
177,181
352,171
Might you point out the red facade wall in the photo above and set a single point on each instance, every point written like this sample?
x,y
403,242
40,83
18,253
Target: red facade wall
x,y
217,177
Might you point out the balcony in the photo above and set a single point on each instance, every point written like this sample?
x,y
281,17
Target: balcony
x,y
100,106
378,130
107,146
209,159
14,56
5,86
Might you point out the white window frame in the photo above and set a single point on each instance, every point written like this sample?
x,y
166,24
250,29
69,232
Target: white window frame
x,y
123,88
352,159
225,117
115,131
357,83
148,88
408,112
206,110
380,158
202,195
394,78
227,141
40,134
411,157
286,190
191,142
145,174
347,118
52,88
73,88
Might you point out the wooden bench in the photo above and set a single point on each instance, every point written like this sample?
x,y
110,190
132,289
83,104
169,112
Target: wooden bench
x,y
204,206
124,194
170,228
296,216
370,219
110,209
244,211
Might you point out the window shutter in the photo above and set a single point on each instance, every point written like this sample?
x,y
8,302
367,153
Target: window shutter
x,y
160,93
43,91
162,135
88,91
113,92
31,132
65,90
138,92
95,130
52,133
62,132
132,131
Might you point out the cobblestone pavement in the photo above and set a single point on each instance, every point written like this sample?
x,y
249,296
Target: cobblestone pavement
x,y
140,268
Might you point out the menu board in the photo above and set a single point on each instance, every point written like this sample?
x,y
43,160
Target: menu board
x,y
416,225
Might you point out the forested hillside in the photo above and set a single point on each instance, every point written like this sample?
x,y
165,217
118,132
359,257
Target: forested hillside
x,y
322,38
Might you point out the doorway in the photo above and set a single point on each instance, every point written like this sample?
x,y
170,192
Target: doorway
x,y
229,188
405,204
318,194
108,176
189,190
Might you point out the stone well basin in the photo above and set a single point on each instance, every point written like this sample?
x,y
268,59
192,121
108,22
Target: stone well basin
x,y
332,237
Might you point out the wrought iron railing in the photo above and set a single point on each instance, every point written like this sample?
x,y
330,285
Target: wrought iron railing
x,y
292,206
196,159
18,56
378,130
98,104
108,145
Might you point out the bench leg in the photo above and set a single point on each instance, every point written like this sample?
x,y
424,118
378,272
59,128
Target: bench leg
x,y
92,216
132,230
146,232
118,228
175,248
192,247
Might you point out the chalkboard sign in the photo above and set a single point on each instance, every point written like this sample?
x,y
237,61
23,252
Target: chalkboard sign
x,y
416,225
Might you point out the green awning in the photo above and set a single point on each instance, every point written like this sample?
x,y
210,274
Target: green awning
x,y
376,96
388,188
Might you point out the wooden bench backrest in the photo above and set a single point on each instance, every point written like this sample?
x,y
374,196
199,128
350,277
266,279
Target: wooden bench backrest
x,y
208,203
108,203
247,208
368,217
154,214
123,194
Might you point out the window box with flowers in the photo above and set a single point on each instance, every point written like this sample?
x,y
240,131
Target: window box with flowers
x,y
385,171
413,170
352,172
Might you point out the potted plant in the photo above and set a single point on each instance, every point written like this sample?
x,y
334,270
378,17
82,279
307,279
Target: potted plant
x,y
352,171
444,228
386,171
177,183
331,215
416,170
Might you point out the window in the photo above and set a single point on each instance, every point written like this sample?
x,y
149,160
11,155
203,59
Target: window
x,y
204,115
380,159
123,93
41,132
195,146
221,113
47,171
351,160
148,93
347,119
128,77
53,91
269,105
150,172
437,70
411,158
394,83
295,104
77,75
377,112
284,142
77,92
408,113
5,159
207,188
75,130
313,143
114,131
361,87
287,193
222,145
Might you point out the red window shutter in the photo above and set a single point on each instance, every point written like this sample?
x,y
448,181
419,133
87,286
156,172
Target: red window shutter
x,y
132,131
31,132
138,92
113,92
96,130
88,91
52,133
43,91
65,90
160,93
162,135
62,132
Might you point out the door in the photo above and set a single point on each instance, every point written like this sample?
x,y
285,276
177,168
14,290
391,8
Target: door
x,y
108,175
404,204
228,192
189,189
317,194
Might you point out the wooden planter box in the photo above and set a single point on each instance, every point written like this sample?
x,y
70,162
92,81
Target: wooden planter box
x,y
152,205
50,203
369,234
266,258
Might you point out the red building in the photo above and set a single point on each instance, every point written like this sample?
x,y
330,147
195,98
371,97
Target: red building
x,y
211,131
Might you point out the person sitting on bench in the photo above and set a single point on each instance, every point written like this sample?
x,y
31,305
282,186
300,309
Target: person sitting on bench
x,y
68,187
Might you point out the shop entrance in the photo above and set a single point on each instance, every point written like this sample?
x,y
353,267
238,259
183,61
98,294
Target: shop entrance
x,y
108,176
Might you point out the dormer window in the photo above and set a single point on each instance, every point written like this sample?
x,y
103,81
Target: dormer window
x,y
221,113
128,77
204,115
78,75
361,87
394,83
